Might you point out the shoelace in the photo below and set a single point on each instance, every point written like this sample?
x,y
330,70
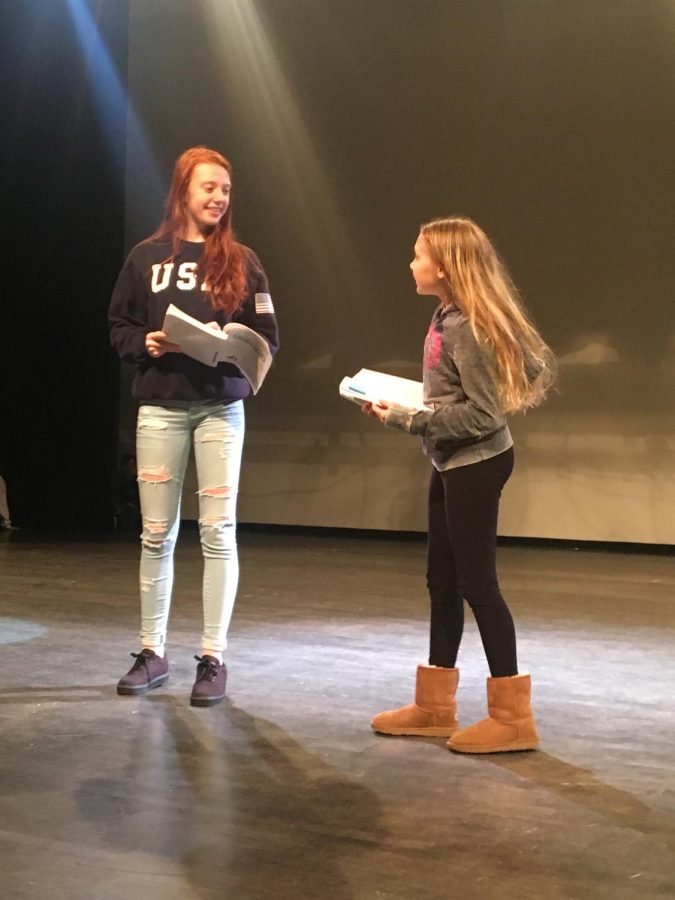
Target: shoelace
x,y
207,668
141,660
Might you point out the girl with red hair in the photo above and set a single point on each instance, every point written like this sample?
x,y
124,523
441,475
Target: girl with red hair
x,y
194,262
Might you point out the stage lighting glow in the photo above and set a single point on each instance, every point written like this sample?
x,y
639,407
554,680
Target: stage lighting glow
x,y
272,119
111,98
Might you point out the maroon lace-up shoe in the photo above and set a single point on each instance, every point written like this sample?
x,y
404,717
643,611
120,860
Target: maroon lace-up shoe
x,y
147,672
209,686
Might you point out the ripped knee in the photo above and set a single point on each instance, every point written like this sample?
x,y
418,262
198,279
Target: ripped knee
x,y
155,533
216,521
221,490
154,474
223,514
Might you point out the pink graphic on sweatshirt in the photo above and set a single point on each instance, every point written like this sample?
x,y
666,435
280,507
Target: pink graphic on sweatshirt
x,y
433,347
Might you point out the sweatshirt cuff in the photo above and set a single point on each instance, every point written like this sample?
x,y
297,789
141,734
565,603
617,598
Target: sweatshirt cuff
x,y
139,352
407,420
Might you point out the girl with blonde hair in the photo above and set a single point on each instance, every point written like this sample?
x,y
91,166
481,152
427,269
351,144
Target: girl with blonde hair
x,y
483,358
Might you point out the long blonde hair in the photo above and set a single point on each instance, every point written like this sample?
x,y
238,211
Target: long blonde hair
x,y
479,284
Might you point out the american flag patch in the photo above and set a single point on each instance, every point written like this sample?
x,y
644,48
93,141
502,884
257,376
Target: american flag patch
x,y
263,304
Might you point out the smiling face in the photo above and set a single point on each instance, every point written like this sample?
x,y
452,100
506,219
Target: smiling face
x,y
428,275
206,200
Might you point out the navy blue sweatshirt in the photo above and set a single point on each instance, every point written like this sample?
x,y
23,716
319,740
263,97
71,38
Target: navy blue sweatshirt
x,y
145,287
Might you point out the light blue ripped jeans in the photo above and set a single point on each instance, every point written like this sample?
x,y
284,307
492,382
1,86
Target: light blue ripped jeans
x,y
163,438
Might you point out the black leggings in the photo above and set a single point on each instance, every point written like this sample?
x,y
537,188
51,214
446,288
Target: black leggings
x,y
462,543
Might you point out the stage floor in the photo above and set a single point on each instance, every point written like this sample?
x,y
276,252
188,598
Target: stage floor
x,y
283,792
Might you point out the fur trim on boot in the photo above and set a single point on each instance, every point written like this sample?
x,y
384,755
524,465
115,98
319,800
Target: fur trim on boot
x,y
434,712
510,724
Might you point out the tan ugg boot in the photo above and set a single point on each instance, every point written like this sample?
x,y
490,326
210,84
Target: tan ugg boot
x,y
434,712
510,724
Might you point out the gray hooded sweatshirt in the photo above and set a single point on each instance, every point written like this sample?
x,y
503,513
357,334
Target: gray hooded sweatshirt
x,y
466,424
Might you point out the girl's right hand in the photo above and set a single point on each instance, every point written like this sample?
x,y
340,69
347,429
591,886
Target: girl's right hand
x,y
157,344
376,410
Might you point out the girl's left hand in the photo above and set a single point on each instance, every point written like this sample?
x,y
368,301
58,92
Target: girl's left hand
x,y
376,410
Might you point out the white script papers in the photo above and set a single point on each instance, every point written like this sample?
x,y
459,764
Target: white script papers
x,y
368,386
236,344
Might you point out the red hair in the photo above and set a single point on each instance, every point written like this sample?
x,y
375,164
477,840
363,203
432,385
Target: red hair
x,y
223,264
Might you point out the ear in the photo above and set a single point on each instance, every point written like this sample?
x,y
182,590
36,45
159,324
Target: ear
x,y
441,275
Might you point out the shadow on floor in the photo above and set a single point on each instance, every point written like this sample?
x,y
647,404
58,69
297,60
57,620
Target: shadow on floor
x,y
582,787
236,802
